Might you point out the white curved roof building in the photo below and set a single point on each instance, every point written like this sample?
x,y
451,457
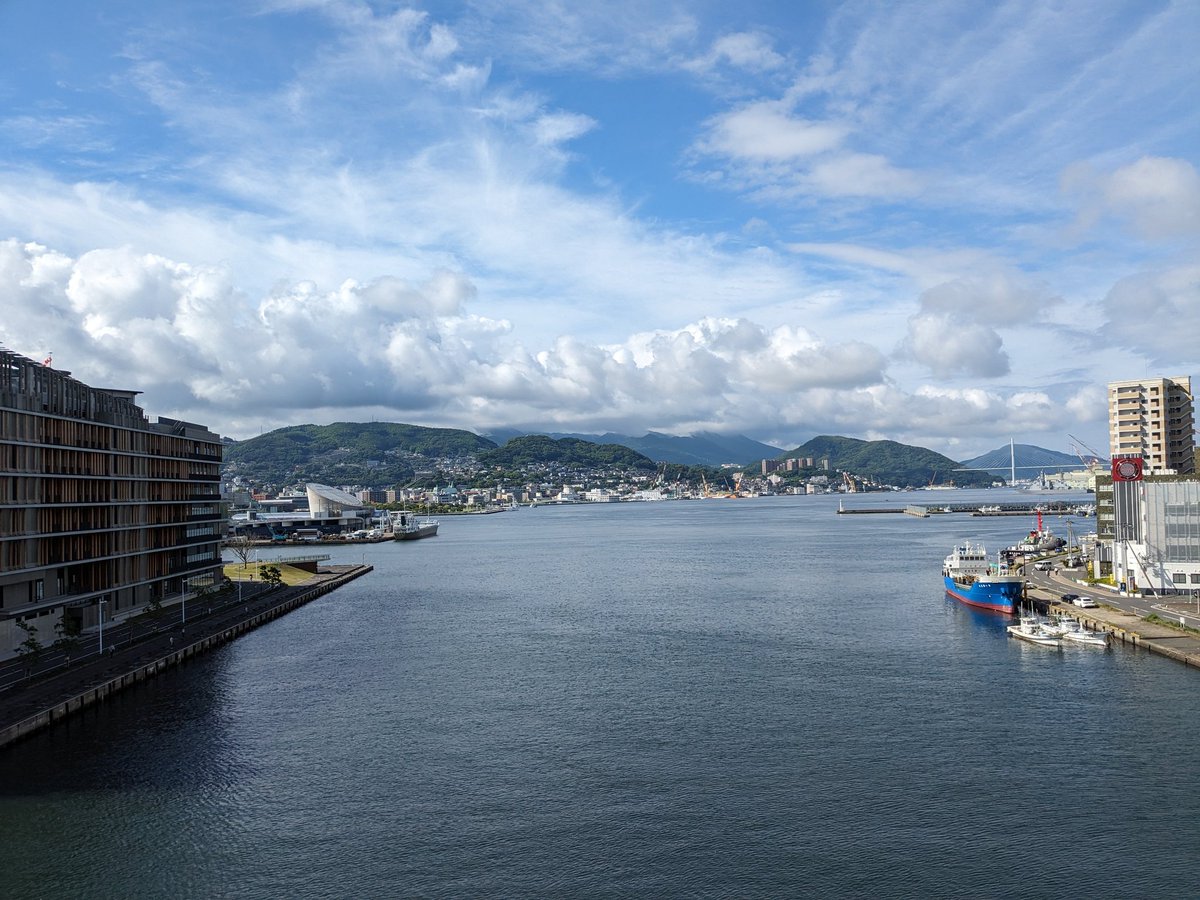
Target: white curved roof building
x,y
325,501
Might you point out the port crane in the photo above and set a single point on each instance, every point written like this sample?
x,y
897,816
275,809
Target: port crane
x,y
1076,443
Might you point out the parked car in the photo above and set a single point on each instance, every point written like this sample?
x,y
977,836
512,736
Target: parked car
x,y
1068,598
1085,602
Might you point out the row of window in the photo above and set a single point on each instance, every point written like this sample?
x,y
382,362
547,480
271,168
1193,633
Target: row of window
x,y
35,489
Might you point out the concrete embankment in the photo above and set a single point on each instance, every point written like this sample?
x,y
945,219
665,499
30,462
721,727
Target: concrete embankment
x,y
32,707
1128,628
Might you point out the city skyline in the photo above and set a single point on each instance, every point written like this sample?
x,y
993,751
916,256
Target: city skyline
x,y
940,225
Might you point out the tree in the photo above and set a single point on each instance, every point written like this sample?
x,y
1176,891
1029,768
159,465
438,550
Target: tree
x,y
30,649
68,629
241,546
272,576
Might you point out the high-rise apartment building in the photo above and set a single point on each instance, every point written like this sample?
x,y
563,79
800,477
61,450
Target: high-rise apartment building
x,y
101,512
1153,419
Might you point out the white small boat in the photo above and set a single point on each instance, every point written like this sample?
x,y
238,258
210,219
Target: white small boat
x,y
1030,629
1074,631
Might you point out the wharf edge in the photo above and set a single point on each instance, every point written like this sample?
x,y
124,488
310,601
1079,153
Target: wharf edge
x,y
1128,628
104,684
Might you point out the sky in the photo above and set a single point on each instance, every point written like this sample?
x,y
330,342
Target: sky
x,y
948,224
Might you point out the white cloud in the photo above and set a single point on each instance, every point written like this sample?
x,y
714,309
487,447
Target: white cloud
x,y
766,132
195,344
1157,314
950,346
557,128
1159,197
863,175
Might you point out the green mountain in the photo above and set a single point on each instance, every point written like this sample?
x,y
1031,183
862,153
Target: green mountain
x,y
705,448
887,462
373,454
538,449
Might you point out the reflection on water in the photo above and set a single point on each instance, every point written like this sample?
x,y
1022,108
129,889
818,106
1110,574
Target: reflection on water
x,y
736,698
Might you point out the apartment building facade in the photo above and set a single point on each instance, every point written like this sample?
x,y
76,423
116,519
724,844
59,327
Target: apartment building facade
x,y
101,511
1153,419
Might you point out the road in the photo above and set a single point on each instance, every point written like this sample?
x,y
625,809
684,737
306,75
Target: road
x,y
1062,581
172,620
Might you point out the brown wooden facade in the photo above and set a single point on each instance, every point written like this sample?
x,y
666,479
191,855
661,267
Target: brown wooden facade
x,y
97,503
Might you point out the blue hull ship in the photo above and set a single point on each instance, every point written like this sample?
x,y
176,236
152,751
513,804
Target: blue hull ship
x,y
972,579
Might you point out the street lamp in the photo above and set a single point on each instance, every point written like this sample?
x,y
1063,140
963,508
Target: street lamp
x,y
102,602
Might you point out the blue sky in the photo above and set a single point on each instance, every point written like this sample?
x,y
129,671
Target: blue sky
x,y
946,224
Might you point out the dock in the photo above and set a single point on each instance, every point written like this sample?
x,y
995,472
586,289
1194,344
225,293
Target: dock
x,y
1173,642
50,697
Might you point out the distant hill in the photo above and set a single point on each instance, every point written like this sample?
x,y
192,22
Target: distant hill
x,y
1030,461
539,449
888,462
369,453
705,448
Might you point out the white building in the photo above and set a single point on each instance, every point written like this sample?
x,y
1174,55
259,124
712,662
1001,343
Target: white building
x,y
1156,535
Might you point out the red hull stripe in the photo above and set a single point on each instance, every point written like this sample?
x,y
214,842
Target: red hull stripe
x,y
996,606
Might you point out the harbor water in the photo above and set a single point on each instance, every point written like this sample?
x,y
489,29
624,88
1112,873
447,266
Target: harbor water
x,y
719,698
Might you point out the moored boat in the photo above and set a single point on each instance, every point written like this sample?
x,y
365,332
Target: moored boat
x,y
1074,631
971,577
407,527
1033,631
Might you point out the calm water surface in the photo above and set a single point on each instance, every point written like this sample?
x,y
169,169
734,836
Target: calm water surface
x,y
753,698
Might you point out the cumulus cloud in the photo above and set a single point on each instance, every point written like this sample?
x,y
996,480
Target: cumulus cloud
x,y
950,346
200,348
955,332
1159,196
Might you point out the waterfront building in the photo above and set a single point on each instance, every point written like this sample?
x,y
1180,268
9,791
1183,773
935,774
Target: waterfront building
x,y
102,513
1153,419
1148,530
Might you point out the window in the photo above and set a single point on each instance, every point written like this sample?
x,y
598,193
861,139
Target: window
x,y
1179,577
37,591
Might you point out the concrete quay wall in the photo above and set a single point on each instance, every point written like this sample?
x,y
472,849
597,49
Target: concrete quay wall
x,y
1128,628
98,691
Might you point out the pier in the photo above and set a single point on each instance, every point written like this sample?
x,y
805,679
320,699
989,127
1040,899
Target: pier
x,y
49,698
1030,508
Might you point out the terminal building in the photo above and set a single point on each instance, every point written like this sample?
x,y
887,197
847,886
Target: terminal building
x,y
328,512
101,512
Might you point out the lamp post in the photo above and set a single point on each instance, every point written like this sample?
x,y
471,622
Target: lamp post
x,y
102,603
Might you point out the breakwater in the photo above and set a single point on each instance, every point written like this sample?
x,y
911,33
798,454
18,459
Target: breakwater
x,y
1055,508
46,702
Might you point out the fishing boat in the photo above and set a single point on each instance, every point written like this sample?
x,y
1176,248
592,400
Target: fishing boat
x,y
1032,630
1074,631
971,577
